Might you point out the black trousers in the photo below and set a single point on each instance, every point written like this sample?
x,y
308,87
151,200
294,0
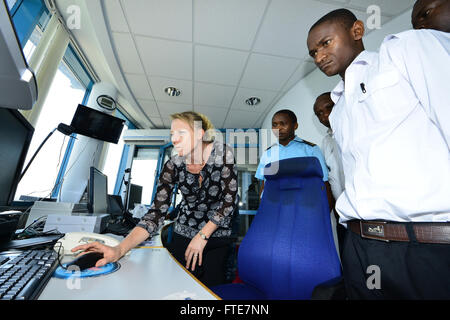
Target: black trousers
x,y
376,269
212,271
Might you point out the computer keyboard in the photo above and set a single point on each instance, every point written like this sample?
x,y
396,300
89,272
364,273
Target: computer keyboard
x,y
23,274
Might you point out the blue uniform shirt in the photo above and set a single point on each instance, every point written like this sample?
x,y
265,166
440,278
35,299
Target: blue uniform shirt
x,y
295,149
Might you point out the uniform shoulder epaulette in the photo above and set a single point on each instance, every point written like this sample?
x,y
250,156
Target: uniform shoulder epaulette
x,y
270,147
309,143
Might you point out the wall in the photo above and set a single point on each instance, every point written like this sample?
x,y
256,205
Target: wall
x,y
301,97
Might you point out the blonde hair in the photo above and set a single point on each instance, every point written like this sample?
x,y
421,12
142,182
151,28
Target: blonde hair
x,y
190,117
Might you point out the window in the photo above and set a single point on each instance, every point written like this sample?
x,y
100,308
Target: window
x,y
112,163
30,18
65,94
143,171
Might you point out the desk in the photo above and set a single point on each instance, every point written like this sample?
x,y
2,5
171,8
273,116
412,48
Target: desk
x,y
146,273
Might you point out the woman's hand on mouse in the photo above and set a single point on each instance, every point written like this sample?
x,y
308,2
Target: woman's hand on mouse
x,y
110,254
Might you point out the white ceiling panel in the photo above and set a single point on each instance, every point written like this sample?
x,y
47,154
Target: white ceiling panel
x,y
115,16
166,58
159,84
139,86
170,19
302,70
244,93
150,108
217,22
388,7
168,108
240,119
158,122
206,94
215,115
259,66
285,26
128,56
219,66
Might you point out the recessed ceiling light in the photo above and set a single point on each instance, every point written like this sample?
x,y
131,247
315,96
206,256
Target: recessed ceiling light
x,y
253,101
172,91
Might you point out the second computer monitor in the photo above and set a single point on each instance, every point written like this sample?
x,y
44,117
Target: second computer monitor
x,y
98,191
135,195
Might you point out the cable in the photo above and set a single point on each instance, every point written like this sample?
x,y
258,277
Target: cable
x,y
59,255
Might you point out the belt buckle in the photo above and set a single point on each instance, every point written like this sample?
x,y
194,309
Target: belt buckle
x,y
373,230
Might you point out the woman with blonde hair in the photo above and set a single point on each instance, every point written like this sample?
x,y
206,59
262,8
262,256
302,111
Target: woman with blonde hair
x,y
206,175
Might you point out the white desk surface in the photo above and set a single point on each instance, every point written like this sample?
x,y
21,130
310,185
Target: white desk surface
x,y
146,274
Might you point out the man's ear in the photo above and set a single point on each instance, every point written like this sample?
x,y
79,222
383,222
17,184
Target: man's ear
x,y
296,126
357,31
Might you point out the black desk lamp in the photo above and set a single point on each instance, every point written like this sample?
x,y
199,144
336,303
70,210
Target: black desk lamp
x,y
63,128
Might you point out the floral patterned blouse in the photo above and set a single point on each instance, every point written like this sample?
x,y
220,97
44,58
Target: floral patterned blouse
x,y
215,199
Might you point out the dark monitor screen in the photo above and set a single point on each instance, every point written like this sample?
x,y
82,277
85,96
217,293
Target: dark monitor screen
x,y
115,205
98,191
135,196
96,124
15,137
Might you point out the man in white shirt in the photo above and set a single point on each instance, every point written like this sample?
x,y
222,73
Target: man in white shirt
x,y
322,109
391,121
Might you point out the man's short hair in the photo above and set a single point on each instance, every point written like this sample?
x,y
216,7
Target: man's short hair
x,y
289,113
342,16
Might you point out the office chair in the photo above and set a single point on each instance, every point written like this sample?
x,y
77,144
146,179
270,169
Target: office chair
x,y
289,249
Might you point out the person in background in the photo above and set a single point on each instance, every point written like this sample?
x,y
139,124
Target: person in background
x,y
431,14
391,121
206,175
284,124
322,109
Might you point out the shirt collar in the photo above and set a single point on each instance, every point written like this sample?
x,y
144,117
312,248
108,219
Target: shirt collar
x,y
364,58
296,138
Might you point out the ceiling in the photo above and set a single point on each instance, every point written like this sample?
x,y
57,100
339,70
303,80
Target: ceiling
x,y
217,52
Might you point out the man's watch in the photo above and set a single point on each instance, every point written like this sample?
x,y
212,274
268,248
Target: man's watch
x,y
204,237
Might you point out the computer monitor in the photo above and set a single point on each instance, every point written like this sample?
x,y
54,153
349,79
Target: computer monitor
x,y
115,205
15,137
135,195
18,88
96,124
97,191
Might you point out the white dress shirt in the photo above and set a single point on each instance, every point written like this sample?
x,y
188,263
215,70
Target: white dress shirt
x,y
392,124
333,160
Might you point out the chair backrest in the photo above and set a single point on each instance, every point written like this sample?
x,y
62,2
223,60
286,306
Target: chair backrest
x,y
289,247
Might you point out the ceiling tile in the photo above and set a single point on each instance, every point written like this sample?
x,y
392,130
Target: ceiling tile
x,y
240,119
127,54
388,7
149,107
244,93
159,84
217,22
215,115
158,122
139,86
219,66
116,18
302,71
206,94
165,58
168,108
268,72
289,37
171,19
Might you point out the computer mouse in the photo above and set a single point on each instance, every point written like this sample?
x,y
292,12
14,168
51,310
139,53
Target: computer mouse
x,y
86,261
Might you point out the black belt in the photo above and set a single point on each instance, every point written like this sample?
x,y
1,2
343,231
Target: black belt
x,y
425,232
